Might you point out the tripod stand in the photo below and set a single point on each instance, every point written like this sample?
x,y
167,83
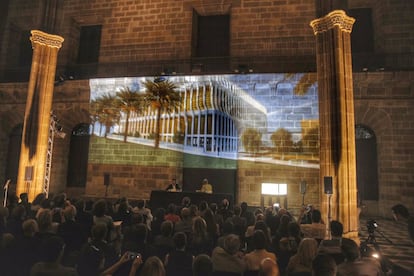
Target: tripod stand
x,y
371,240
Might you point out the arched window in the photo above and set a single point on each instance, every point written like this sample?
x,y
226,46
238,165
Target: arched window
x,y
78,156
366,163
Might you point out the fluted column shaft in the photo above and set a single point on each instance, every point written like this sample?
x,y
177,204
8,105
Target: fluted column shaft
x,y
336,115
34,147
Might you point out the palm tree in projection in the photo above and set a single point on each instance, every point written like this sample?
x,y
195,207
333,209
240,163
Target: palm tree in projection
x,y
163,97
129,101
106,110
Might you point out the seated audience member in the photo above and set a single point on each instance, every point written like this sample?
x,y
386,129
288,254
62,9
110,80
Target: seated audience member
x,y
200,240
250,228
229,258
400,213
239,223
145,212
52,250
159,218
171,213
15,220
202,265
268,267
323,265
254,258
247,214
123,212
226,230
218,217
135,240
186,223
153,266
84,217
100,209
288,246
7,245
26,249
316,229
46,227
99,233
213,228
333,246
354,264
179,261
302,260
71,231
164,242
36,204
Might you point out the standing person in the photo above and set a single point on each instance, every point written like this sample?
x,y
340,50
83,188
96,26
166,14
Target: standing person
x,y
400,213
174,186
206,187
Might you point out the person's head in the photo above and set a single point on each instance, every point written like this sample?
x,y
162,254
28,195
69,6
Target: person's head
x,y
243,206
180,240
171,208
167,228
173,181
337,228
100,208
307,250
193,210
205,181
400,211
44,220
185,213
186,201
237,210
268,267
30,228
294,229
316,216
231,244
159,214
350,250
69,212
18,212
323,265
213,207
52,249
203,206
24,198
202,265
259,239
153,266
199,226
38,199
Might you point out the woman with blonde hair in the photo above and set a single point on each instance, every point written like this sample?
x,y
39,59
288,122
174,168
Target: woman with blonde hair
x,y
302,260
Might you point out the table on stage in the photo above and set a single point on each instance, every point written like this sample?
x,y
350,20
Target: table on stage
x,y
160,198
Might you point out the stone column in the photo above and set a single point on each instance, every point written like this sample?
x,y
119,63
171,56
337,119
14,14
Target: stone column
x,y
32,164
336,116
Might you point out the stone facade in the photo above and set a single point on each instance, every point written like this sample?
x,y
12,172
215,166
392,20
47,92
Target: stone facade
x,y
142,38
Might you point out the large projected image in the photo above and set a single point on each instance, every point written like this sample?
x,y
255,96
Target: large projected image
x,y
267,117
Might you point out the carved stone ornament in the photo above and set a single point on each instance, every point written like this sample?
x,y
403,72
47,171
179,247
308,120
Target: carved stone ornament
x,y
40,37
332,19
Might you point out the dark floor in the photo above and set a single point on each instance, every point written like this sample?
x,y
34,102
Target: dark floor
x,y
394,243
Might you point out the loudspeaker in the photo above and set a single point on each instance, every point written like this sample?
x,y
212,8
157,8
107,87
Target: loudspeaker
x,y
107,179
302,187
327,184
28,173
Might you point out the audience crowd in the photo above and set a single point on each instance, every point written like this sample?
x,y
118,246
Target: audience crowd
x,y
56,235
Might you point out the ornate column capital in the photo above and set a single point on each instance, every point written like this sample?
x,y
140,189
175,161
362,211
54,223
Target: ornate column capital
x,y
39,37
332,19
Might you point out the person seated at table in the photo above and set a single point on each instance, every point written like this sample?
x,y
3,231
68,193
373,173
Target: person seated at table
x,y
206,187
174,186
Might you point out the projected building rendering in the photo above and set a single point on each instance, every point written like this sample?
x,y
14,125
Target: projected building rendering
x,y
229,116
